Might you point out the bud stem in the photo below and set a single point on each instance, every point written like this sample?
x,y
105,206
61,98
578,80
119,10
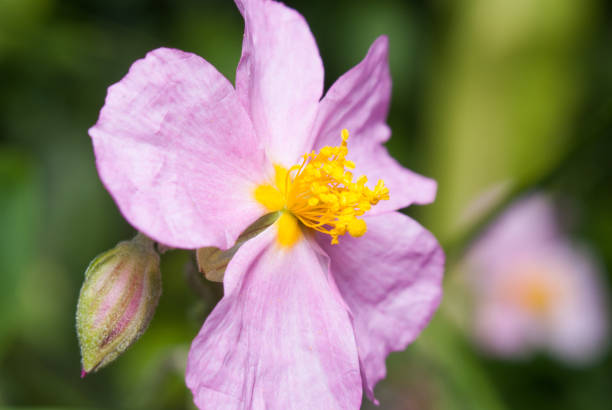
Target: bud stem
x,y
143,240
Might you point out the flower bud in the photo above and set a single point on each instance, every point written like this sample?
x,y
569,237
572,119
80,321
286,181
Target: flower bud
x,y
117,301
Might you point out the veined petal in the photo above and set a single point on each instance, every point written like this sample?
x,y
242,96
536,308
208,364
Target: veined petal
x,y
279,77
359,102
281,337
391,280
174,147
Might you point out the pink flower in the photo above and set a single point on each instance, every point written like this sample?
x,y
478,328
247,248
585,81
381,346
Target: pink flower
x,y
192,162
534,290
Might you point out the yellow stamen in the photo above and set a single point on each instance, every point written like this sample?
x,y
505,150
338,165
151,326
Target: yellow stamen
x,y
321,194
357,227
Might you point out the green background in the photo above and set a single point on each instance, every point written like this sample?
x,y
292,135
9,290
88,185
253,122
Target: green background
x,y
492,97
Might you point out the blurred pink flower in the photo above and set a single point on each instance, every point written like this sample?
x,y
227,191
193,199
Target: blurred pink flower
x,y
534,290
192,162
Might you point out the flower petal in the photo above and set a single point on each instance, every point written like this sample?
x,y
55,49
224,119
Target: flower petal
x,y
174,147
281,338
279,77
359,102
391,280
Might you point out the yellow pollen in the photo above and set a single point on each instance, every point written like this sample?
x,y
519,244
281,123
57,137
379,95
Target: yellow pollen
x,y
320,192
357,227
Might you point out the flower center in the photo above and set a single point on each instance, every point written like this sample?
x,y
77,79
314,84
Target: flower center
x,y
321,194
537,295
533,290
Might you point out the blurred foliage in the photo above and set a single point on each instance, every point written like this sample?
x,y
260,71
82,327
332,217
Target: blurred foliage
x,y
507,84
490,97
